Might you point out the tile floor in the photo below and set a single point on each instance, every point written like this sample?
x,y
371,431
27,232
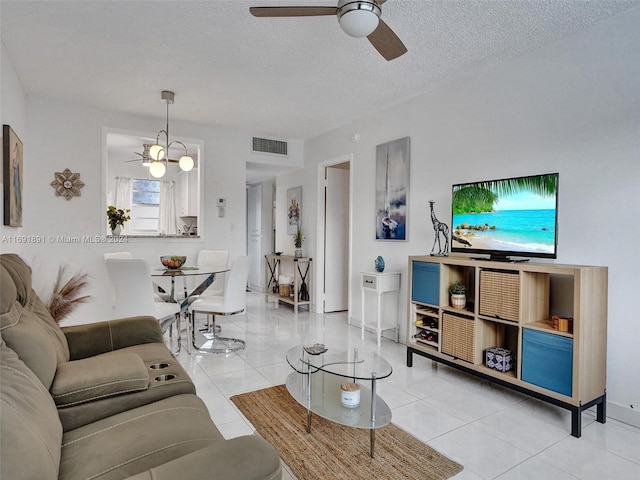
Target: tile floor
x,y
494,432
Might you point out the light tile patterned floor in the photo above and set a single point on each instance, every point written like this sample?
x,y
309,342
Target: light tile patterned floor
x,y
494,432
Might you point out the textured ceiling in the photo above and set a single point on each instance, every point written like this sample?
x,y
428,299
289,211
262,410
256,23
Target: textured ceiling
x,y
289,78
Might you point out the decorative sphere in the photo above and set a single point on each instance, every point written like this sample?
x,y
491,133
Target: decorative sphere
x,y
379,263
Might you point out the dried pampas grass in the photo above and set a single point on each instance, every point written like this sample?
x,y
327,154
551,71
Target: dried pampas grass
x,y
66,296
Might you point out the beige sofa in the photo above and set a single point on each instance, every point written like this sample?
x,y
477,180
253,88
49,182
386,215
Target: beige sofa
x,y
104,401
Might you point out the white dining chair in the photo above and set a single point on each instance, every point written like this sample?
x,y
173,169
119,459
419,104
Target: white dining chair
x,y
160,294
133,290
232,302
211,261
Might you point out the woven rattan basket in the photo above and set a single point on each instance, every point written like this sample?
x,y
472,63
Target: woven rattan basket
x,y
458,337
500,295
285,290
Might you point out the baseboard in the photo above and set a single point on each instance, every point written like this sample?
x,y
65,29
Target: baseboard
x,y
624,414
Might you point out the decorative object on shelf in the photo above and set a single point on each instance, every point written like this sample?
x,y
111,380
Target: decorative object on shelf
x,y
458,295
173,262
67,184
284,288
562,324
12,177
350,395
499,358
117,217
379,263
440,228
315,349
66,297
298,239
294,209
160,153
303,294
392,189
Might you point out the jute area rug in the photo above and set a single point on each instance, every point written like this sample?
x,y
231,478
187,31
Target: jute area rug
x,y
334,451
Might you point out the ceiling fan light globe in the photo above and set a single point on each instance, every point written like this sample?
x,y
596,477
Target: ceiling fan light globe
x,y
358,18
157,169
186,163
156,152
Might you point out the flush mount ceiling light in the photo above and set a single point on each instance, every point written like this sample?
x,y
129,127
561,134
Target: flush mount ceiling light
x,y
358,18
159,153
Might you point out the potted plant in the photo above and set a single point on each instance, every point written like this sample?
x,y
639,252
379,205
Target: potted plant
x,y
458,291
298,238
117,217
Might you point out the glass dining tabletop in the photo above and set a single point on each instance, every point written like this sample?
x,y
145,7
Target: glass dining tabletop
x,y
187,271
353,363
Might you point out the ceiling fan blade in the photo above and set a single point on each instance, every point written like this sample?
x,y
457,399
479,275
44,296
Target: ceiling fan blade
x,y
292,11
386,42
380,2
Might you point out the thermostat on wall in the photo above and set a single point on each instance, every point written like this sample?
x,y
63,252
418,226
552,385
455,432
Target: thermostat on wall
x,y
222,202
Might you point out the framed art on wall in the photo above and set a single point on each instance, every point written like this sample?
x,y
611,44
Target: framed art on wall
x,y
294,209
392,189
12,177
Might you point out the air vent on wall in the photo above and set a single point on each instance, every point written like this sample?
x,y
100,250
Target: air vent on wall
x,y
265,145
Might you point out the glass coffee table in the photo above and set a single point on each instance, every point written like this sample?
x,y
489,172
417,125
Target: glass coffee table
x,y
316,379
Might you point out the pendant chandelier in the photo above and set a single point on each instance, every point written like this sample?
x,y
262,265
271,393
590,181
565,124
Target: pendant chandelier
x,y
160,153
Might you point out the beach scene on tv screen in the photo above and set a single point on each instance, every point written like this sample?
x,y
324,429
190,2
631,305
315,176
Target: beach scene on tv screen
x,y
512,215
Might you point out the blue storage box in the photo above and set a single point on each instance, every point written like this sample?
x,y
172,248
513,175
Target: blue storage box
x,y
547,360
499,358
425,283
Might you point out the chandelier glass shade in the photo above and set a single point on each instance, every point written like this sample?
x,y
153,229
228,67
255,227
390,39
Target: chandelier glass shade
x,y
160,153
157,169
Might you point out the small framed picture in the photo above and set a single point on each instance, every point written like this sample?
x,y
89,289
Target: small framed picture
x,y
294,209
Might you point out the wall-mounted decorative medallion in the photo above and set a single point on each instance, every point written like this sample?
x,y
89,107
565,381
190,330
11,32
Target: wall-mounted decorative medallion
x,y
67,184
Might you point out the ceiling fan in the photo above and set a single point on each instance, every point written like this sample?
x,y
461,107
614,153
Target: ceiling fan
x,y
358,18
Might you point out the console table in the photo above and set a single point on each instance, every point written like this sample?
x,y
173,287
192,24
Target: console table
x,y
301,272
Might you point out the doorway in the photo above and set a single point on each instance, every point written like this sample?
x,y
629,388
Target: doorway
x,y
336,236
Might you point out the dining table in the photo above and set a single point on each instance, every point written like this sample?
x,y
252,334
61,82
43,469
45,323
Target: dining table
x,y
185,272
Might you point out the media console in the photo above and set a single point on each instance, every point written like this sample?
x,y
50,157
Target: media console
x,y
510,306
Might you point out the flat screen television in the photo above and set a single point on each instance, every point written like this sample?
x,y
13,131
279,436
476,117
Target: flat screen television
x,y
507,217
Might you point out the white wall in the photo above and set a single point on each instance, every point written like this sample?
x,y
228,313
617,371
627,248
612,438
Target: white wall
x,y
572,107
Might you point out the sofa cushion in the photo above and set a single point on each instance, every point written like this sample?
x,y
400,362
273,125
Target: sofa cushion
x,y
137,440
152,354
25,322
249,457
93,378
30,430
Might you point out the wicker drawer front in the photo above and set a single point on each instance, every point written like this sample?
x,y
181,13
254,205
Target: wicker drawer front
x,y
458,337
500,295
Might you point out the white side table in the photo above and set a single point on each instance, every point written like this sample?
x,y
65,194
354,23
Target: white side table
x,y
380,283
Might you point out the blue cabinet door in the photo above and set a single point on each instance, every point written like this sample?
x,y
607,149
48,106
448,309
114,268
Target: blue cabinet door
x,y
425,283
547,360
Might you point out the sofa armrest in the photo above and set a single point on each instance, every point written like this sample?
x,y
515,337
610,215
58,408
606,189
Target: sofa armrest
x,y
249,457
90,379
95,338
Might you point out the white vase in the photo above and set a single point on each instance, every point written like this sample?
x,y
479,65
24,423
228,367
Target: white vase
x,y
298,253
116,231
